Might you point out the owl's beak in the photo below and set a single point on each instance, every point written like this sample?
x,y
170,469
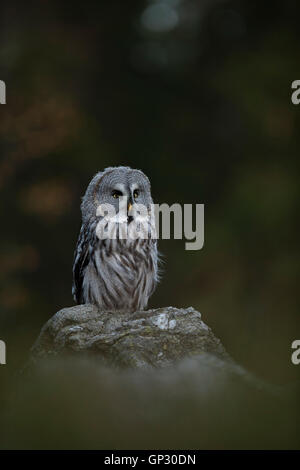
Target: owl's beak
x,y
129,207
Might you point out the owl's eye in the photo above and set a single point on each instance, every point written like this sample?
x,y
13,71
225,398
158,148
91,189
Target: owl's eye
x,y
116,194
135,193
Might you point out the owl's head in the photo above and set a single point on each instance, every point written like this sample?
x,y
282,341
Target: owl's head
x,y
117,186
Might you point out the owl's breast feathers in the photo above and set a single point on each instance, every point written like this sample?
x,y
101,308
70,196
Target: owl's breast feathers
x,y
114,274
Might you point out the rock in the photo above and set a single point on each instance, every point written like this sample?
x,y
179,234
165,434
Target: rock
x,y
152,338
152,379
201,402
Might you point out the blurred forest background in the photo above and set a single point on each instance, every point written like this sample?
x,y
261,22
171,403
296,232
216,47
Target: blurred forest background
x,y
197,94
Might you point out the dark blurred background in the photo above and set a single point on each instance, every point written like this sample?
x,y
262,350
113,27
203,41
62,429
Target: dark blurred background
x,y
197,94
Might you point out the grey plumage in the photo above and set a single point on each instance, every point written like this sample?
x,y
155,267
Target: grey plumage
x,y
114,274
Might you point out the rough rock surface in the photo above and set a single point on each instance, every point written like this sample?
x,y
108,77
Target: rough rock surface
x,y
152,338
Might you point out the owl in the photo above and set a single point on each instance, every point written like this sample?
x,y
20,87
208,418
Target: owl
x,y
115,273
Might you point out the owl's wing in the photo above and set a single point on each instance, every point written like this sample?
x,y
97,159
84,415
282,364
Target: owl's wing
x,y
81,260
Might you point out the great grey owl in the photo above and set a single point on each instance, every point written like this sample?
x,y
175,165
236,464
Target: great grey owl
x,y
115,273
